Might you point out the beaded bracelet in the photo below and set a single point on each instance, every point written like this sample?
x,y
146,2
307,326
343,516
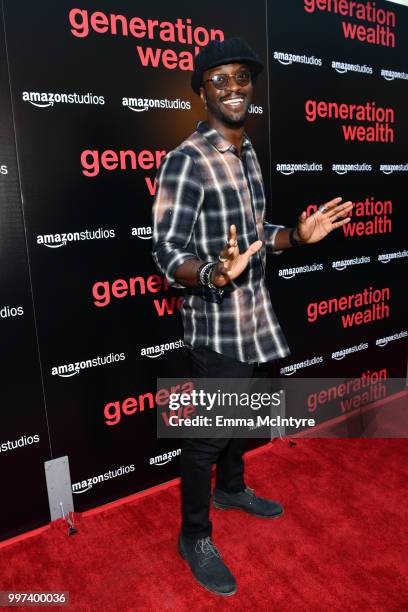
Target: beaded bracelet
x,y
204,274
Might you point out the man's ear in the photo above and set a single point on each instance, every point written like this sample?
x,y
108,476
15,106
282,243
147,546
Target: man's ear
x,y
203,96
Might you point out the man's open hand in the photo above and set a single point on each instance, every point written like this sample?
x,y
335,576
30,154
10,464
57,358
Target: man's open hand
x,y
328,217
233,262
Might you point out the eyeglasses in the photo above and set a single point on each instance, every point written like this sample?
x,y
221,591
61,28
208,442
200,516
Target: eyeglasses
x,y
221,81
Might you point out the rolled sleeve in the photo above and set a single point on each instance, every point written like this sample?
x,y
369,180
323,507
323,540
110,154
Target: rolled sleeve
x,y
270,231
177,204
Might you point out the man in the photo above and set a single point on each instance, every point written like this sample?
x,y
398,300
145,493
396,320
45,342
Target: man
x,y
210,238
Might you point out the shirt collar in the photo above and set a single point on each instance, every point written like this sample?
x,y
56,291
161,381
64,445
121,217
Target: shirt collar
x,y
217,140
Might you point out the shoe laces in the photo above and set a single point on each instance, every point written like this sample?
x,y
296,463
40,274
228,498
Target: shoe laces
x,y
207,548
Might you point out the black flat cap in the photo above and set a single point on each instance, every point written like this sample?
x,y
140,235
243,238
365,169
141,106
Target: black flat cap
x,y
228,51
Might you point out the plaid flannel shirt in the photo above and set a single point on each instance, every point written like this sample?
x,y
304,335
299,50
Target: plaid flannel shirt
x,y
203,187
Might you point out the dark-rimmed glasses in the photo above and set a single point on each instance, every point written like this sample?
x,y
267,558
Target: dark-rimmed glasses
x,y
221,81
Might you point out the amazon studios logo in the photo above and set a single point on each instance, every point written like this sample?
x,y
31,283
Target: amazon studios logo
x,y
387,257
159,349
288,273
290,168
390,75
342,353
70,369
164,457
390,168
139,105
342,264
11,311
289,370
43,99
21,442
86,485
381,342
54,241
345,168
286,58
344,67
144,232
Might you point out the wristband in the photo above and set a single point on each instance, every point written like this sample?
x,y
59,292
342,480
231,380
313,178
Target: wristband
x,y
293,241
218,290
209,277
204,274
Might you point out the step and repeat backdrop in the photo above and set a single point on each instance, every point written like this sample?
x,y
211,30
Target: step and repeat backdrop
x,y
92,97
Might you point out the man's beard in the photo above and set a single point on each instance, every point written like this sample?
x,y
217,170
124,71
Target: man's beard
x,y
230,121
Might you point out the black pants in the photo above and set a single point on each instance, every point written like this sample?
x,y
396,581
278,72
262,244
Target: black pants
x,y
198,455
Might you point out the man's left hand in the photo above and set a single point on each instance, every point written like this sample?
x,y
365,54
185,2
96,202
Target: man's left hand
x,y
328,217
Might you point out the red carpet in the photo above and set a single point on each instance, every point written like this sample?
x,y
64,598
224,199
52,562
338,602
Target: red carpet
x,y
341,545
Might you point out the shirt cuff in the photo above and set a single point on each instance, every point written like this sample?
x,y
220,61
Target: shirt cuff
x,y
174,265
272,238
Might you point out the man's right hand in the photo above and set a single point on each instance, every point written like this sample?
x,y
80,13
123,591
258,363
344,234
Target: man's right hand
x,y
235,262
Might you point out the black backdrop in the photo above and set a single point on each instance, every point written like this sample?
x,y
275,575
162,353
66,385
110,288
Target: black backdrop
x,y
76,219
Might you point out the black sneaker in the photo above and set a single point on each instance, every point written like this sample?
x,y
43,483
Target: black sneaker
x,y
207,565
248,502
